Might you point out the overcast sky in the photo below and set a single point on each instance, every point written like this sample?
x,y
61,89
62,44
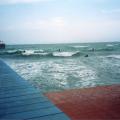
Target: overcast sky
x,y
59,21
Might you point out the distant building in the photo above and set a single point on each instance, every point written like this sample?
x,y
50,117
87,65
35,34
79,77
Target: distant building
x,y
2,45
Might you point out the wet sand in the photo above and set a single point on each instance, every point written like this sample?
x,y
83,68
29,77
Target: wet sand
x,y
98,103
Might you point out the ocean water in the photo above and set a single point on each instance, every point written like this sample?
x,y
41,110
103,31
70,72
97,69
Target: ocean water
x,y
58,67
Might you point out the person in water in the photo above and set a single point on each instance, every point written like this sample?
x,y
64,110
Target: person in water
x,y
86,55
93,49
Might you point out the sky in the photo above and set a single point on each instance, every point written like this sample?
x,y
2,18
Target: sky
x,y
59,21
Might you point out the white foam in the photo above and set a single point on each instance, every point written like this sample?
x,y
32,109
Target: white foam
x,y
114,56
32,52
43,54
14,51
38,51
11,51
28,52
80,46
109,45
64,54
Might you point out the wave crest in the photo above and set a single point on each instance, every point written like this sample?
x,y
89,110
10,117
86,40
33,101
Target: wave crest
x,y
114,56
39,53
80,46
65,54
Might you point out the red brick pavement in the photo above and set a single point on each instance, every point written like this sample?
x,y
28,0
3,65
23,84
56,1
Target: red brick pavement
x,y
98,103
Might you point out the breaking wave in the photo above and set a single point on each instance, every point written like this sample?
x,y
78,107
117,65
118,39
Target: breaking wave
x,y
109,45
101,49
65,54
39,53
114,56
80,46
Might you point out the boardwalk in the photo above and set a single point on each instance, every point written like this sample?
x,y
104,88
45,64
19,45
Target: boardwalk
x,y
19,100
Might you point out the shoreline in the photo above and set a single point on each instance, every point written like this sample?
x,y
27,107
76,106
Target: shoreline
x,y
101,102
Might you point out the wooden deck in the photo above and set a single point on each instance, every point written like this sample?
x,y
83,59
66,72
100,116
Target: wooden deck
x,y
19,100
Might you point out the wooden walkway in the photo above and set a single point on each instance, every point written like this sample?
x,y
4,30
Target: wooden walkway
x,y
19,100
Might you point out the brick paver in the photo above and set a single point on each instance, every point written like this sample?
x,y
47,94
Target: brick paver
x,y
98,103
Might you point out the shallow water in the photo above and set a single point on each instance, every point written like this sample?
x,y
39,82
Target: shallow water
x,y
64,66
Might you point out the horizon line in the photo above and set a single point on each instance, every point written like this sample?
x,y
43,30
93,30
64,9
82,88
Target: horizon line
x,y
63,43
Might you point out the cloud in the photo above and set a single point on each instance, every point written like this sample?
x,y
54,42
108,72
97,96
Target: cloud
x,y
61,29
52,23
112,11
3,2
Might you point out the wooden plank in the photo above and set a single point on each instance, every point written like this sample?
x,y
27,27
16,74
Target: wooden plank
x,y
13,88
20,88
12,99
58,116
19,94
24,102
29,107
12,78
34,113
19,82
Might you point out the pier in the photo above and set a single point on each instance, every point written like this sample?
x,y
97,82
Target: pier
x,y
2,45
19,100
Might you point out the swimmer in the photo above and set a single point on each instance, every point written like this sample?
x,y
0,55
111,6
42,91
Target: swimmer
x,y
86,55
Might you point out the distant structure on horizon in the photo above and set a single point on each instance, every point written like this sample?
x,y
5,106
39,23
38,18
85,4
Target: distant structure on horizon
x,y
2,45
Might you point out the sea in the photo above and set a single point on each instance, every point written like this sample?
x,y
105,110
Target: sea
x,y
58,67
